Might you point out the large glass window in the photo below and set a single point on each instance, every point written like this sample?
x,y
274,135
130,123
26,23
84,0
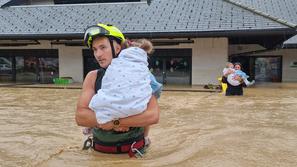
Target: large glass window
x,y
172,66
29,66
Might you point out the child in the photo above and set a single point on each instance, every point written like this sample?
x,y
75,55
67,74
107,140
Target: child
x,y
230,73
126,86
228,69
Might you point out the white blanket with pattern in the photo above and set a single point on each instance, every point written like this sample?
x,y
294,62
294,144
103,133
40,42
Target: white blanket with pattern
x,y
125,88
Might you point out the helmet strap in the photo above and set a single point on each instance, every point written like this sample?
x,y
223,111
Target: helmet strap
x,y
112,48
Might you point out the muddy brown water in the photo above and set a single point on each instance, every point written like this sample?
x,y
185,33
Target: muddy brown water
x,y
195,129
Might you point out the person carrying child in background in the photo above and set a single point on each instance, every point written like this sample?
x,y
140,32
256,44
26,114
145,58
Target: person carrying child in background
x,y
230,72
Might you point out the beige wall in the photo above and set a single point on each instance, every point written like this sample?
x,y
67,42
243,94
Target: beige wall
x,y
289,73
209,58
71,62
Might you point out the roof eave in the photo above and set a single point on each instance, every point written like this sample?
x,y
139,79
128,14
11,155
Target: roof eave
x,y
225,33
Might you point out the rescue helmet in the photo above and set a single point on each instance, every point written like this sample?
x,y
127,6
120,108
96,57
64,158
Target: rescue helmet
x,y
107,30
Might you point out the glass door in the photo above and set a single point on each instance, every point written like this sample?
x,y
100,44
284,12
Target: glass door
x,y
156,67
178,70
48,69
172,66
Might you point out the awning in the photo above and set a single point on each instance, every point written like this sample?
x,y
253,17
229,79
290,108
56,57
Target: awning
x,y
291,43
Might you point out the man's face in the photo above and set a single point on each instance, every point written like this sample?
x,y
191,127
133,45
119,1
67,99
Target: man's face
x,y
102,51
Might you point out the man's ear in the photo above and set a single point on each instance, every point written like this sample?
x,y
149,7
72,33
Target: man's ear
x,y
117,47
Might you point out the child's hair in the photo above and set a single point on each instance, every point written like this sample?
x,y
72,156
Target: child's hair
x,y
144,44
227,64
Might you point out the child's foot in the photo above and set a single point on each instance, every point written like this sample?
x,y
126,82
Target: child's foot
x,y
87,131
251,83
147,142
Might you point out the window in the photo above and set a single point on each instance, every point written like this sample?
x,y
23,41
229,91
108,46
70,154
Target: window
x,y
29,65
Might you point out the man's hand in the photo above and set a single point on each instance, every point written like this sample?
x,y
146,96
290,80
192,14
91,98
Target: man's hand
x,y
110,126
106,126
238,78
121,129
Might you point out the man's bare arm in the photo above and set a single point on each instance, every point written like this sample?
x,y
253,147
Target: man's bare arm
x,y
84,115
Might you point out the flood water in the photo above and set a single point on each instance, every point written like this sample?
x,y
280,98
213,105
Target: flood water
x,y
195,129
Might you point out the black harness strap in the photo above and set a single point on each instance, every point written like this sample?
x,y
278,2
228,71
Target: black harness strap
x,y
98,82
112,48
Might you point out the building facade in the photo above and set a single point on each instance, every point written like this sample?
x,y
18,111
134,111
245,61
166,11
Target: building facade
x,y
42,40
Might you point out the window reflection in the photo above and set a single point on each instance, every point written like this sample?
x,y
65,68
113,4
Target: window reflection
x,y
6,69
48,69
268,69
172,66
26,69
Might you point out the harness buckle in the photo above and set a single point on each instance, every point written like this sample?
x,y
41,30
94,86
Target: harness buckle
x,y
135,151
88,143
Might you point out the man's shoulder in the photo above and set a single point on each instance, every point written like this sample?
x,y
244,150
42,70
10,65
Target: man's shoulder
x,y
92,74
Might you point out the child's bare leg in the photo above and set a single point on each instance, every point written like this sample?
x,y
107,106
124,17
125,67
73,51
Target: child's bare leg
x,y
147,141
248,83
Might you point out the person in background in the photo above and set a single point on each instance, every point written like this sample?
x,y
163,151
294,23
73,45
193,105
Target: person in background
x,y
230,73
234,90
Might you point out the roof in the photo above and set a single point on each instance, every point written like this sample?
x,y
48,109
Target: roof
x,y
284,10
3,2
162,18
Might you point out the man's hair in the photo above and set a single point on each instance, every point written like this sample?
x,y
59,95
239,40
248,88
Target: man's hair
x,y
237,63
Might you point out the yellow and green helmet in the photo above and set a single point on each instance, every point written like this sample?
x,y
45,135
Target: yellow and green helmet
x,y
103,30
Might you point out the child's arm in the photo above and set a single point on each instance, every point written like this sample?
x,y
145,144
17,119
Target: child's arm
x,y
227,71
156,86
